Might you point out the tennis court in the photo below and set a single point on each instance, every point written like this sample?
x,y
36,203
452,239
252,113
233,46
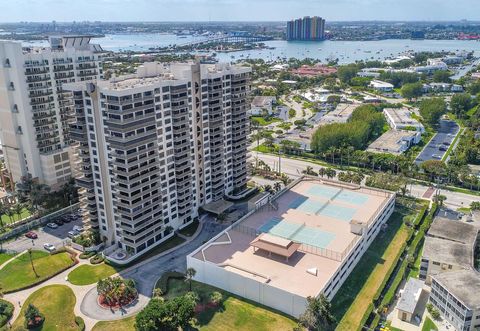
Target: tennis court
x,y
313,237
339,213
323,191
352,197
310,206
297,232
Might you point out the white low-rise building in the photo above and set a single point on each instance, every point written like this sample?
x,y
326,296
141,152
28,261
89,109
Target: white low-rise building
x,y
262,104
401,119
342,113
395,142
381,86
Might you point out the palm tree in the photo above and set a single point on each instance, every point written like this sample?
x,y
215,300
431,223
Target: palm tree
x,y
17,209
285,179
3,210
31,262
321,172
10,213
331,173
277,186
191,272
157,293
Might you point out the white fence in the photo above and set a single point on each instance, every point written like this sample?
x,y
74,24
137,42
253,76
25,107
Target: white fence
x,y
246,287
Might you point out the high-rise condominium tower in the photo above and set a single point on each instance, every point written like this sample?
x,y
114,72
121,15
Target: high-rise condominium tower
x,y
34,108
307,28
156,146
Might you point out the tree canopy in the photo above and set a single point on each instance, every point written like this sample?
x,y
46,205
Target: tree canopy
x,y
365,124
432,109
412,90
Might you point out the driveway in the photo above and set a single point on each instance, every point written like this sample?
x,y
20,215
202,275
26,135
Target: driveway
x,y
442,139
146,275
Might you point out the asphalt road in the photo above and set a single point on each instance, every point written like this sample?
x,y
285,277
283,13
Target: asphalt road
x,y
45,235
444,137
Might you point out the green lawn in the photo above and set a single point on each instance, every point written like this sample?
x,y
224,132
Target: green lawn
x,y
18,273
89,274
4,257
190,229
56,303
263,122
429,325
16,217
126,324
352,300
235,314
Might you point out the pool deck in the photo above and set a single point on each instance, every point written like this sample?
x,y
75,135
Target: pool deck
x,y
233,251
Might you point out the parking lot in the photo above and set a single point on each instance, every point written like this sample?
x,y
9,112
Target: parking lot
x,y
438,146
45,235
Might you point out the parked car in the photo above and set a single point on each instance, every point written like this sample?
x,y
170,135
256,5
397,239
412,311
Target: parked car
x,y
442,148
58,222
52,225
31,235
66,219
78,228
72,234
49,247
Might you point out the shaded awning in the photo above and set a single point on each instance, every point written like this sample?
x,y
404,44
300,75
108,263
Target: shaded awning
x,y
217,207
275,245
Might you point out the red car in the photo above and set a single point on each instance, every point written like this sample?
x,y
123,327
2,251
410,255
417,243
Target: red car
x,y
31,235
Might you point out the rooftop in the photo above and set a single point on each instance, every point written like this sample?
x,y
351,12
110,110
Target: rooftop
x,y
457,231
314,213
463,284
392,141
410,295
446,251
341,114
379,83
262,101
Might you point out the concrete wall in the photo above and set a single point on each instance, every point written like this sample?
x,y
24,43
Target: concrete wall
x,y
248,288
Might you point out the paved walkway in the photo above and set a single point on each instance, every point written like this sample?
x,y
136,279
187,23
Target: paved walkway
x,y
145,275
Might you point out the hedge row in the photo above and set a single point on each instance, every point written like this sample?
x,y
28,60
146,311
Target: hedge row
x,y
412,251
390,294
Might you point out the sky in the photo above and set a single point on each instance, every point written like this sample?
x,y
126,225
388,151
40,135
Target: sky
x,y
236,10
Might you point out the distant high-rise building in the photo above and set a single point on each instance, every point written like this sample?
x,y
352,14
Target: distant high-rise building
x,y
34,108
307,28
155,146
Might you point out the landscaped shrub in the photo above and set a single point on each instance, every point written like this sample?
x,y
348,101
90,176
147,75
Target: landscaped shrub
x,y
433,311
33,317
6,312
80,323
97,259
87,255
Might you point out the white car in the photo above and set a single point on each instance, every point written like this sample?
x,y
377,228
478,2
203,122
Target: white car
x,y
72,234
77,228
52,225
49,247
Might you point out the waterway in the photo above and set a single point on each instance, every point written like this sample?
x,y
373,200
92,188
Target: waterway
x,y
345,51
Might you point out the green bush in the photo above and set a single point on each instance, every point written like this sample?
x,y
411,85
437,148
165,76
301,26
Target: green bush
x,y
97,259
6,312
80,323
87,255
